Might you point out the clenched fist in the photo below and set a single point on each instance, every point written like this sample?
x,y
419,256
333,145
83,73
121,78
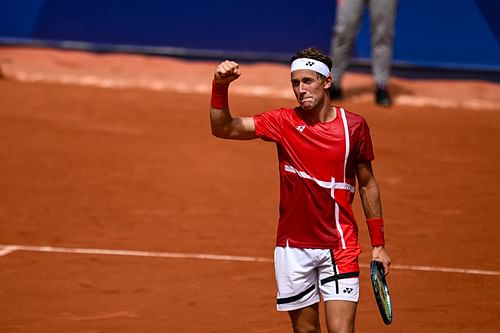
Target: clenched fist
x,y
226,72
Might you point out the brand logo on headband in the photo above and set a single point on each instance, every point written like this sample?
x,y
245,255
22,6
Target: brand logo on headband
x,y
310,64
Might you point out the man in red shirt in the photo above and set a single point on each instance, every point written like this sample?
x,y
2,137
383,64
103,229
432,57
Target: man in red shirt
x,y
322,150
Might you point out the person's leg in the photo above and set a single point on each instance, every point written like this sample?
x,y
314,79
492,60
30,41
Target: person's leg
x,y
339,286
345,29
382,19
340,316
298,290
305,320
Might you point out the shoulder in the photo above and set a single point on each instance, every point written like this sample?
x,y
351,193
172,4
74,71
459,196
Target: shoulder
x,y
269,125
354,119
357,125
285,112
279,113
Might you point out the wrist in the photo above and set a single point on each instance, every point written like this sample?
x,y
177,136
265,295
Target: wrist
x,y
219,97
376,231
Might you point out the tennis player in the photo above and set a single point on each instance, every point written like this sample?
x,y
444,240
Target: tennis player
x,y
322,150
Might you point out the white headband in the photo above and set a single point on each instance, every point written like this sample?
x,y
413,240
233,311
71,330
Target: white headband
x,y
311,64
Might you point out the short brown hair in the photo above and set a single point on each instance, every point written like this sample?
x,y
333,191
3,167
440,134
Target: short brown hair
x,y
313,53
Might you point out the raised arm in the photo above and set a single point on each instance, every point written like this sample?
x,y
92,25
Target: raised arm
x,y
370,199
222,123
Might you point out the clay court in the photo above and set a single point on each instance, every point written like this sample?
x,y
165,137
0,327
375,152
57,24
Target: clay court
x,y
119,212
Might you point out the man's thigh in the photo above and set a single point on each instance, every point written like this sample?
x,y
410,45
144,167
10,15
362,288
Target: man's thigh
x,y
296,278
302,275
339,275
340,316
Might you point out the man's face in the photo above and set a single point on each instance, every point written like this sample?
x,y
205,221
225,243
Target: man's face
x,y
309,88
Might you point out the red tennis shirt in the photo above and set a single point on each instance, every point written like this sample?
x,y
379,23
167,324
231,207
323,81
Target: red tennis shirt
x,y
317,167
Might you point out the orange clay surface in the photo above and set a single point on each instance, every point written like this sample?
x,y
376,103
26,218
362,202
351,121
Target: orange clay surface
x,y
115,152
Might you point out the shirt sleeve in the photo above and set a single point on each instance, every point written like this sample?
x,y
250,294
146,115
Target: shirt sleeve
x,y
268,125
364,151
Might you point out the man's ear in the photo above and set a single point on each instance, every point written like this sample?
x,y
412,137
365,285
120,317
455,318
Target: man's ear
x,y
328,82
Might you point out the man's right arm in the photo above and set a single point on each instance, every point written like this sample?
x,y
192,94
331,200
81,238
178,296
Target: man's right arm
x,y
222,123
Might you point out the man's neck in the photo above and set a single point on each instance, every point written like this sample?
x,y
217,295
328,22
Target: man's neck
x,y
322,114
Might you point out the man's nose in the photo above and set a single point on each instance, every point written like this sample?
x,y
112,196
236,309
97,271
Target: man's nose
x,y
301,87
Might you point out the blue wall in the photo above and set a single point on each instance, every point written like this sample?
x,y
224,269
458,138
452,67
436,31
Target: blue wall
x,y
463,33
446,33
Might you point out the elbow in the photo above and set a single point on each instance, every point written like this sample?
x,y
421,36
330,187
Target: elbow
x,y
216,133
219,132
219,128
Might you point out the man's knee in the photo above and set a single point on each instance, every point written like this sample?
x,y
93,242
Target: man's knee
x,y
305,320
306,328
341,327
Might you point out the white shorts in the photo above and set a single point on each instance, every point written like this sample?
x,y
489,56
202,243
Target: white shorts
x,y
303,276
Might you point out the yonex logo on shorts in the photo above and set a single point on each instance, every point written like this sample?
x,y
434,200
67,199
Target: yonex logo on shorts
x,y
347,290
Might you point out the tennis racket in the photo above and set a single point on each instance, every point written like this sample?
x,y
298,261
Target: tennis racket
x,y
381,291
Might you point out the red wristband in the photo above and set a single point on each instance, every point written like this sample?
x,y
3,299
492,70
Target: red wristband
x,y
376,231
219,98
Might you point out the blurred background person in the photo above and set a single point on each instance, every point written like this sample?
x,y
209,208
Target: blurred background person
x,y
345,30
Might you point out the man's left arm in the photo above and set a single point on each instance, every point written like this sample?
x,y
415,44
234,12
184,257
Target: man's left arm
x,y
372,206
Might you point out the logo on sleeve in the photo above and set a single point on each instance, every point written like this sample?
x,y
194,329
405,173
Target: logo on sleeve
x,y
300,128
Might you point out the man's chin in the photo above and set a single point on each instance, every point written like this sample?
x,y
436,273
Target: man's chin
x,y
306,106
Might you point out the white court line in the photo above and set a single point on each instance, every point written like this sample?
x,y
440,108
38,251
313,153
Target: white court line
x,y
6,249
444,269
